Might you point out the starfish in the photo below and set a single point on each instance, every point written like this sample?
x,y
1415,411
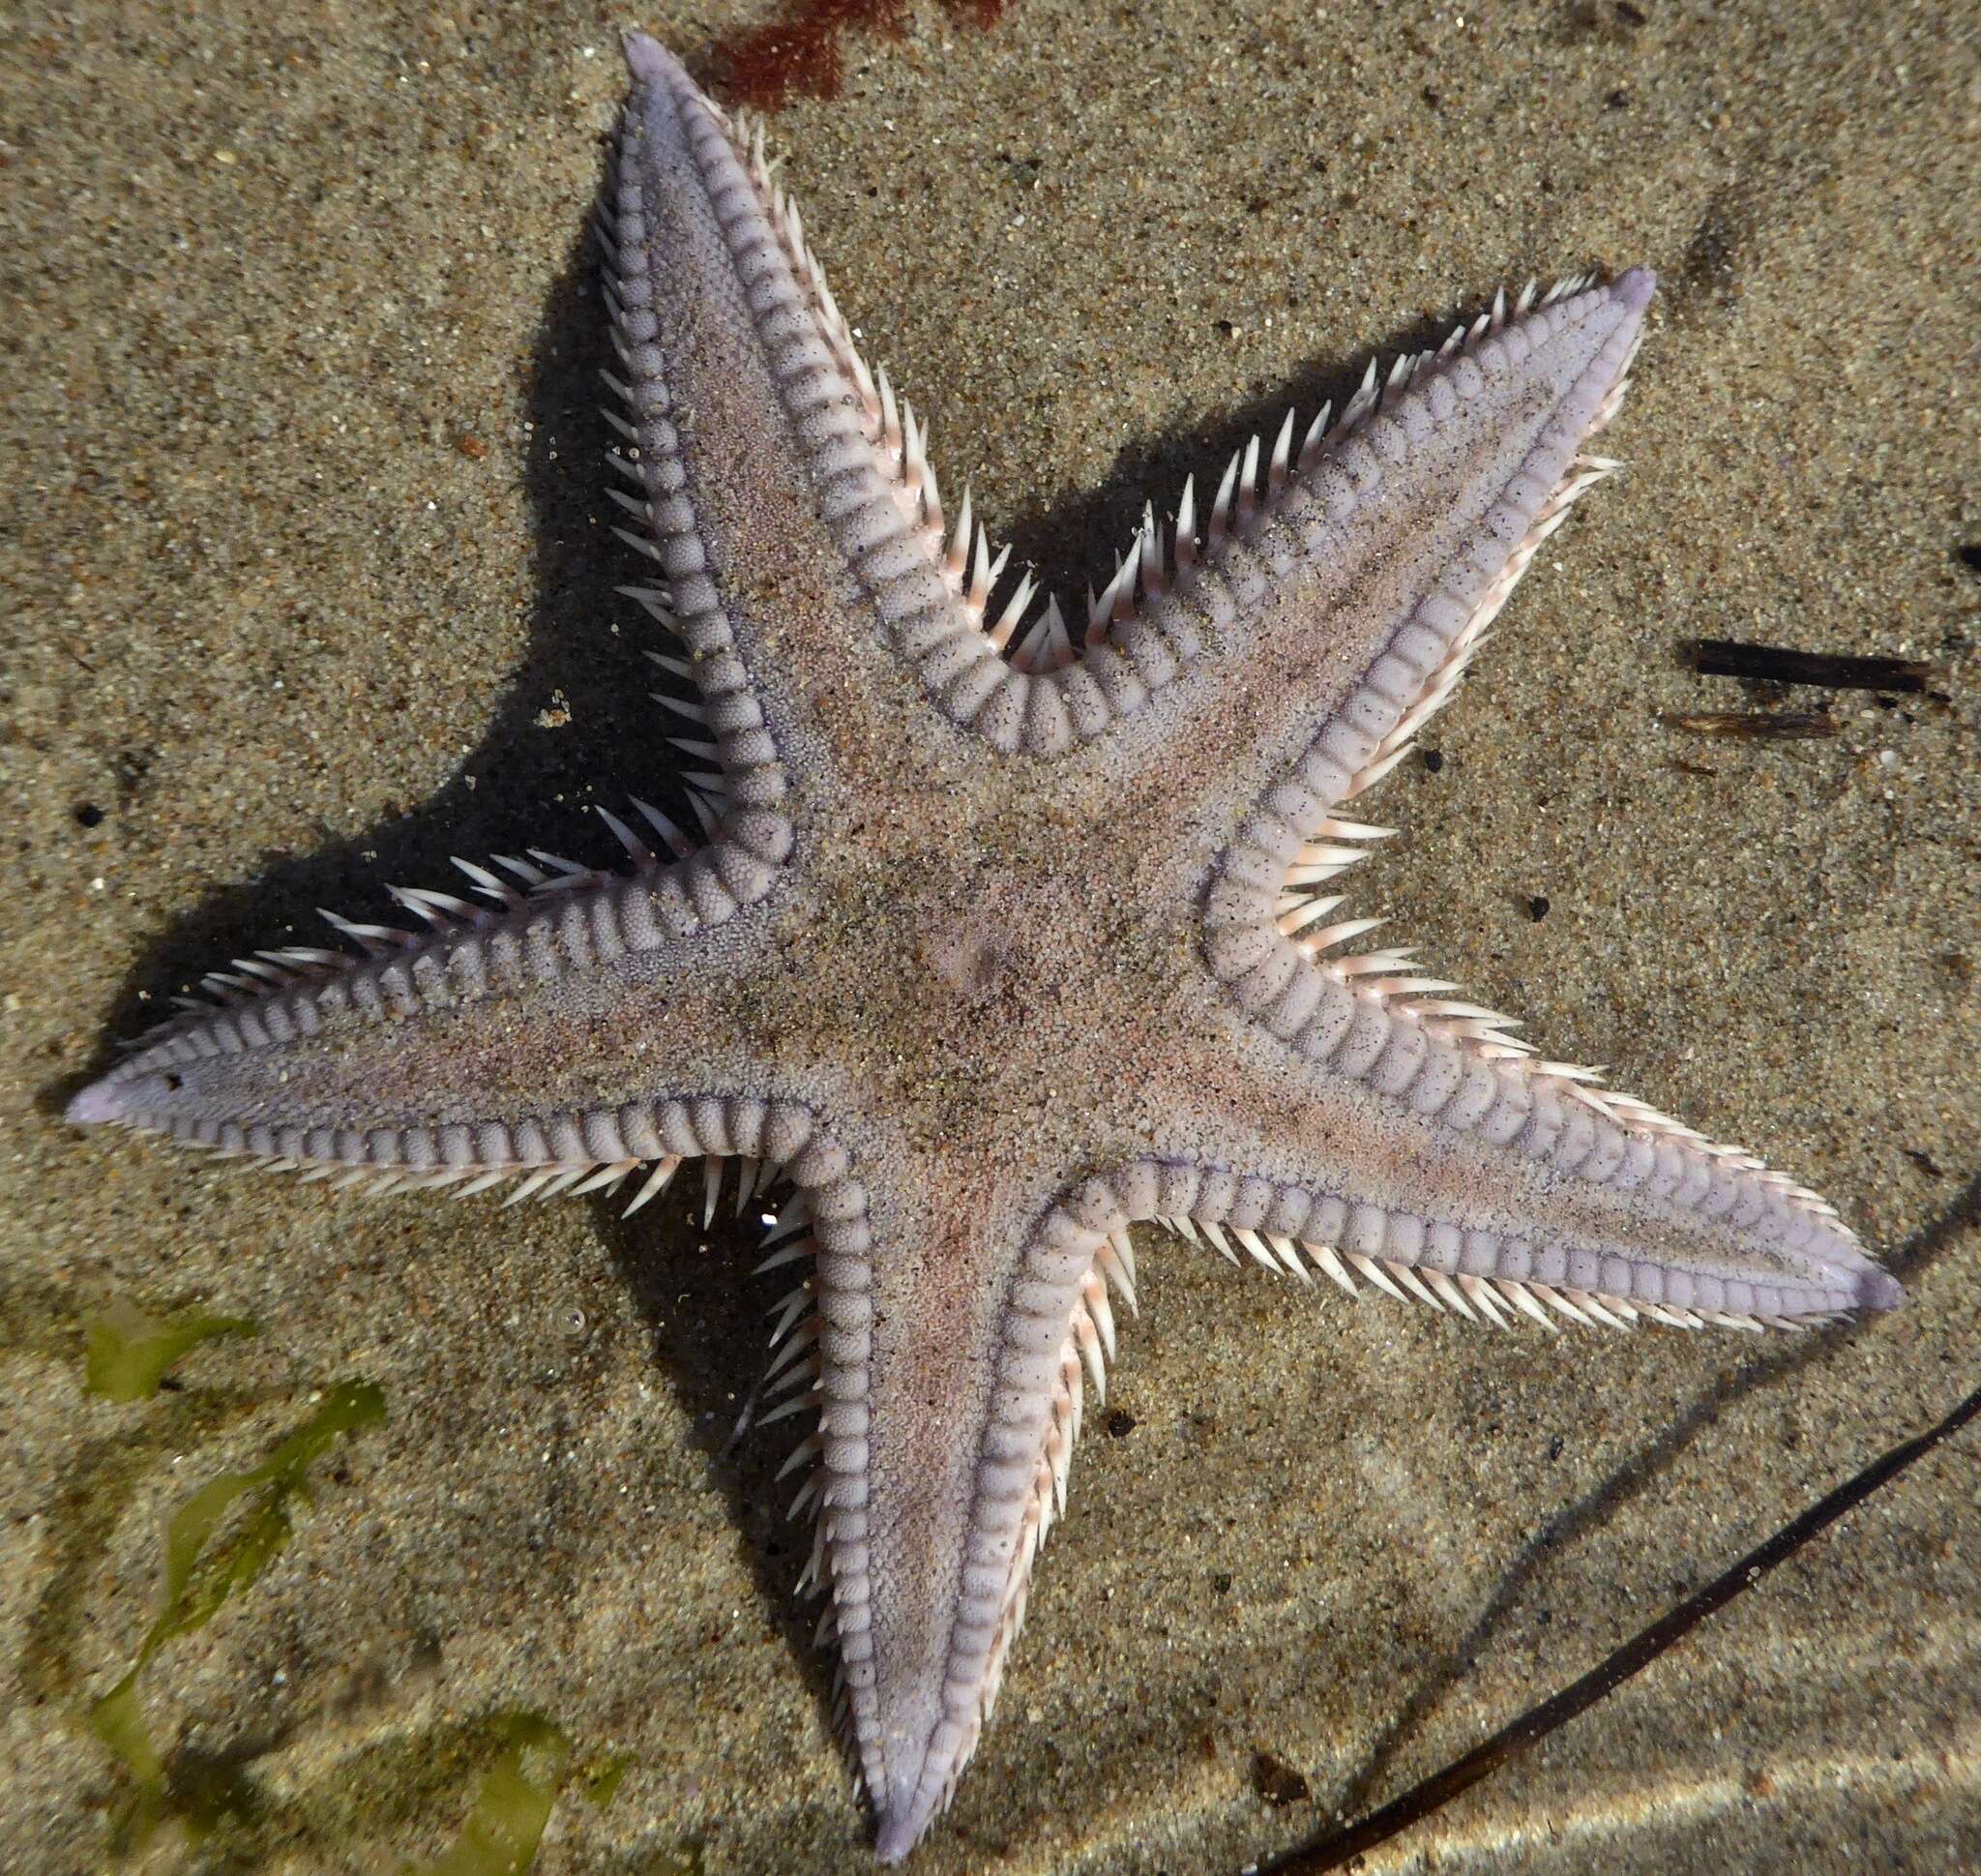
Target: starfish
x,y
995,938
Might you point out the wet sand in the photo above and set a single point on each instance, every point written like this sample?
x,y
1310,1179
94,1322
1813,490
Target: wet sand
x,y
307,585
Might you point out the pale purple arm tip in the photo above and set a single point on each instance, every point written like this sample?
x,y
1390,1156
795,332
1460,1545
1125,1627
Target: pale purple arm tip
x,y
1878,1290
647,58
1636,287
100,1102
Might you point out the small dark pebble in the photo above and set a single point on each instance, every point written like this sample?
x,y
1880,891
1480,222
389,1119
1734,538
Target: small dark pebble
x,y
1120,1424
1969,555
1617,99
1434,760
1222,1582
1277,1782
1631,16
1554,1447
1537,907
88,814
1925,1162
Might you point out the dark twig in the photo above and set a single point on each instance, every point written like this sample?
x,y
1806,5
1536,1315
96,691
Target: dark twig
x,y
1334,1849
1725,658
1757,726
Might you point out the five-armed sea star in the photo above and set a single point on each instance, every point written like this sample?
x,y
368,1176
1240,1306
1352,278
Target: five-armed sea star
x,y
999,939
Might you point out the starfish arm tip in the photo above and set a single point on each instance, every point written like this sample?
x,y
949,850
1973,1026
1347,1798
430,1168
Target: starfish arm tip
x,y
1635,286
1879,1289
647,58
101,1101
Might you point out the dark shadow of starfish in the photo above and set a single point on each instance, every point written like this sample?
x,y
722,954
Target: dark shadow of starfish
x,y
530,786
1077,542
706,1317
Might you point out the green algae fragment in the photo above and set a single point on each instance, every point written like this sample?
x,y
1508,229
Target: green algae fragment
x,y
200,1578
602,1781
118,1721
513,1808
193,1594
128,1351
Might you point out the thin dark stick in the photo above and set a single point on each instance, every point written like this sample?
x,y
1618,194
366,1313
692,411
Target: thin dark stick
x,y
1757,726
1725,658
1331,1851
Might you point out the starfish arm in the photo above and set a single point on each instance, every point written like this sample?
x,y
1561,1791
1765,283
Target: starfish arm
x,y
1468,466
1368,1140
533,1042
953,1326
1286,649
784,498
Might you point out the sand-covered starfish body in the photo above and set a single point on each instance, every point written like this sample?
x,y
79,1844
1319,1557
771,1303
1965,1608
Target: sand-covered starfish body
x,y
999,938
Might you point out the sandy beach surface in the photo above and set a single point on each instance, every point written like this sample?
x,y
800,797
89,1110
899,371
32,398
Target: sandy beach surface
x,y
307,584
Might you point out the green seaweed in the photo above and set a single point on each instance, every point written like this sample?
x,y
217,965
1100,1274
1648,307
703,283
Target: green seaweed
x,y
89,1502
193,1594
128,1351
200,1576
118,1721
338,1818
601,1781
503,1830
216,1543
518,1792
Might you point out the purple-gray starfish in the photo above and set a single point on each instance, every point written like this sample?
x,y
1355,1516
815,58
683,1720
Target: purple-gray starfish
x,y
999,939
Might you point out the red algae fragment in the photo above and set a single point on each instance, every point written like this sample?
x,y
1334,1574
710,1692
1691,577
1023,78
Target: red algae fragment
x,y
798,53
